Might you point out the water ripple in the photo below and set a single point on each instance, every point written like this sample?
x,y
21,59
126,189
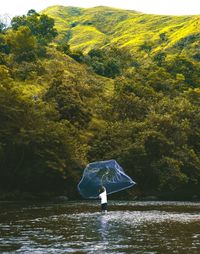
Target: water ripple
x,y
129,227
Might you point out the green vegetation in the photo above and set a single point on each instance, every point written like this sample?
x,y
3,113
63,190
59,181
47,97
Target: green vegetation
x,y
97,84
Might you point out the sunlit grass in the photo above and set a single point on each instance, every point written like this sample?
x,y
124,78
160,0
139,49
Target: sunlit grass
x,y
85,29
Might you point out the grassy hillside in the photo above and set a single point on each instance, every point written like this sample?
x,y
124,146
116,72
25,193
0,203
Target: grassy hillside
x,y
85,29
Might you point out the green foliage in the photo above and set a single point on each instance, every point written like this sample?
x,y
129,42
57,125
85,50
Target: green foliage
x,y
2,26
69,101
41,26
142,108
37,153
22,44
109,62
27,70
65,48
4,74
185,67
18,21
147,46
4,48
126,105
77,55
155,151
45,31
159,58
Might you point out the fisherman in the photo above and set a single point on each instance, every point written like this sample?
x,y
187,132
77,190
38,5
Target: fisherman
x,y
103,197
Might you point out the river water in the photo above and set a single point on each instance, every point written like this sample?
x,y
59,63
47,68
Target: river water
x,y
78,227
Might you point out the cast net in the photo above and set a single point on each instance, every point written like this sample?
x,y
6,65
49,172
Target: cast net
x,y
103,173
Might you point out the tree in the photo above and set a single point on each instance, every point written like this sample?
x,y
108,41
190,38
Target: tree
x,y
41,26
2,27
18,21
45,30
37,153
184,66
22,44
4,48
68,101
109,62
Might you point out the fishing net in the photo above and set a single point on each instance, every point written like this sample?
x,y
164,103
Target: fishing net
x,y
103,173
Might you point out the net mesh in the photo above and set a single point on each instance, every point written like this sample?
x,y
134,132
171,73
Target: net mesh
x,y
103,173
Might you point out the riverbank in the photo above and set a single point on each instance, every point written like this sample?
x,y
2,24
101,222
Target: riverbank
x,y
27,196
6,196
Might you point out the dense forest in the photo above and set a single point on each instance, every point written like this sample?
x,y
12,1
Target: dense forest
x,y
81,85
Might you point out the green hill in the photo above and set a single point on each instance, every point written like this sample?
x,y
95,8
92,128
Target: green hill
x,y
85,29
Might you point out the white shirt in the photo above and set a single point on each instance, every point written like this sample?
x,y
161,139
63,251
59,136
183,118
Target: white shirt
x,y
103,197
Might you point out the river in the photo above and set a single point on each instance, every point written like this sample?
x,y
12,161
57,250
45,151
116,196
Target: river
x,y
78,227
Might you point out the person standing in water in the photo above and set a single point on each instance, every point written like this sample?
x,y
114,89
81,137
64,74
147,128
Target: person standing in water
x,y
103,197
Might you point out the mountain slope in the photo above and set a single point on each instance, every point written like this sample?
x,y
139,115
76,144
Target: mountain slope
x,y
85,29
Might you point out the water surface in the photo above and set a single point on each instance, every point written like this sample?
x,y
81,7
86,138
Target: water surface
x,y
79,227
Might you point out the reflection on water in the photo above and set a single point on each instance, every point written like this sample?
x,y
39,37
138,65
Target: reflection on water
x,y
79,227
103,227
